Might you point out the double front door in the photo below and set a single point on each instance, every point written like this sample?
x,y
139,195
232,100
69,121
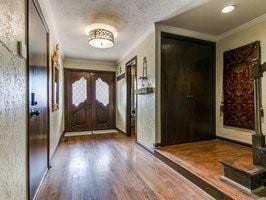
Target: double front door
x,y
89,99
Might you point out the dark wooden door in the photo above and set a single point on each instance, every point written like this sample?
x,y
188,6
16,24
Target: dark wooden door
x,y
103,88
202,91
78,101
175,89
38,99
187,92
89,100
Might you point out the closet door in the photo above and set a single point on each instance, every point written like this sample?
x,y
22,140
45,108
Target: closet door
x,y
174,91
202,87
187,89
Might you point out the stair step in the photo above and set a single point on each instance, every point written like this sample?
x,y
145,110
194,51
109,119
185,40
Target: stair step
x,y
247,175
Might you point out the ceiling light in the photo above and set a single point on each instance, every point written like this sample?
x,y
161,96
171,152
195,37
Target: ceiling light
x,y
101,38
94,26
228,9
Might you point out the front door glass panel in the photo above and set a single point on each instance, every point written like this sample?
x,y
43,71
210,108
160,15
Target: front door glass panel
x,y
79,91
102,92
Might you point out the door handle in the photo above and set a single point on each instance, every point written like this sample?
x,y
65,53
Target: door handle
x,y
33,99
34,112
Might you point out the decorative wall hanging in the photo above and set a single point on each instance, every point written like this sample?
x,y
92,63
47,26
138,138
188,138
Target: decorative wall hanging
x,y
238,86
55,78
120,77
144,82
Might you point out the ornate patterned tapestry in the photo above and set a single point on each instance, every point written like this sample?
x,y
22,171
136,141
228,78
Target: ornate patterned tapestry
x,y
238,87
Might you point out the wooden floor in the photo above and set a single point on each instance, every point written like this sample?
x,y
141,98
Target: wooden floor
x,y
112,166
203,160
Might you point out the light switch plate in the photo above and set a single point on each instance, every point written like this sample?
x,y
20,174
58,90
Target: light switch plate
x,y
22,49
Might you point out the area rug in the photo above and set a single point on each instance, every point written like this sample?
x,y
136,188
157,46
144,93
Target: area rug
x,y
238,86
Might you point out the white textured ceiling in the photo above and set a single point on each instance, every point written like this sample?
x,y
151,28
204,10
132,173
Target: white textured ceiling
x,y
131,18
207,18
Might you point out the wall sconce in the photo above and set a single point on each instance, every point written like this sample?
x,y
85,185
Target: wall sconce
x,y
144,83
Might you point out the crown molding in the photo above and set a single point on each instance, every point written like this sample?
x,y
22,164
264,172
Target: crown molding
x,y
137,42
242,27
88,61
49,17
185,32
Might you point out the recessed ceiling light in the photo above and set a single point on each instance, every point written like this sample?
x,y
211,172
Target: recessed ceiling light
x,y
228,9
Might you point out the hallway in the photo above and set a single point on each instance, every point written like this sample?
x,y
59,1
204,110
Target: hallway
x,y
132,99
112,166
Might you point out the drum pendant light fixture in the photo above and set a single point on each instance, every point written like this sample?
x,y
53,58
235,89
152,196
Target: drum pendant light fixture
x,y
101,38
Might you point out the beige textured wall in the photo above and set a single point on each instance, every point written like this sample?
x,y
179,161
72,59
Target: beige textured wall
x,y
146,103
56,117
12,102
89,64
254,33
13,122
57,125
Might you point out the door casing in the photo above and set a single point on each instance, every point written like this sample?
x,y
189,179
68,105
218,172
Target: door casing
x,y
131,63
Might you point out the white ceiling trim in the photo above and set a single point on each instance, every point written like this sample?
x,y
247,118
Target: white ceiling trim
x,y
137,42
189,33
204,36
242,27
187,7
49,17
168,29
185,32
88,61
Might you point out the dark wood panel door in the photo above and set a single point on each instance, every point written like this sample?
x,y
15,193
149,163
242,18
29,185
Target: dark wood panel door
x,y
103,100
89,100
38,127
78,101
202,89
175,81
187,94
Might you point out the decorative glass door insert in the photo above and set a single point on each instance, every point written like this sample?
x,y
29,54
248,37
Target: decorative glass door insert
x,y
79,91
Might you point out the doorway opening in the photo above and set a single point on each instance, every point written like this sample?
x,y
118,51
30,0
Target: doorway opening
x,y
131,72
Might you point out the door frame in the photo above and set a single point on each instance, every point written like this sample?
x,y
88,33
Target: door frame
x,y
165,35
45,25
129,64
89,71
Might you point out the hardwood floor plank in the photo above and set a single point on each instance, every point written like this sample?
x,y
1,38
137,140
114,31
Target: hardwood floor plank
x,y
112,167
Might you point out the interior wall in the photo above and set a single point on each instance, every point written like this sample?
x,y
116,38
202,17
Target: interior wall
x,y
13,82
249,35
57,125
76,63
56,117
145,103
